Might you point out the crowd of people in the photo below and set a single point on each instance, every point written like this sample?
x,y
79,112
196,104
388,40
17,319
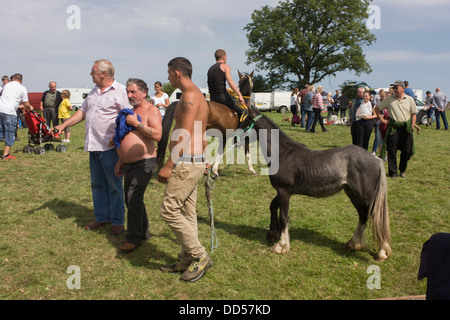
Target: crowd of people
x,y
391,115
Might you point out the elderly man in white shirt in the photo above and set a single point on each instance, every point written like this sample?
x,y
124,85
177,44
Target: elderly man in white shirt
x,y
100,110
13,95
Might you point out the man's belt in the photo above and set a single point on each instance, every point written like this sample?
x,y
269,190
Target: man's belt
x,y
192,158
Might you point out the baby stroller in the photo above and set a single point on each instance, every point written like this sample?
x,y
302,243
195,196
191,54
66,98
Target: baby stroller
x,y
39,133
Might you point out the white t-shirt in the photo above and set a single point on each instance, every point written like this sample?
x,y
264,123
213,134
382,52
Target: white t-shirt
x,y
13,95
159,100
364,110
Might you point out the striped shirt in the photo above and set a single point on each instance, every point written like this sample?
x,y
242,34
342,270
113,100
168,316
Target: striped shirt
x,y
317,101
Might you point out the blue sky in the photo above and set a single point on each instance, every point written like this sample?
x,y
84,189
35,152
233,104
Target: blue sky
x,y
140,37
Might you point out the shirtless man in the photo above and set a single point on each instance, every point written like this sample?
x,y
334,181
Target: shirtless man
x,y
137,161
182,172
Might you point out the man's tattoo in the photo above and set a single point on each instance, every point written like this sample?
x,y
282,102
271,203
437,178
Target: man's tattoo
x,y
186,106
147,130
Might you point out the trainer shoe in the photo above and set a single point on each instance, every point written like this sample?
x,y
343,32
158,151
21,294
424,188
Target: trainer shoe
x,y
178,266
197,269
8,157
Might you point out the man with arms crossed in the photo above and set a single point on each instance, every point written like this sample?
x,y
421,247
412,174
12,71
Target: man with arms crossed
x,y
182,172
100,110
137,161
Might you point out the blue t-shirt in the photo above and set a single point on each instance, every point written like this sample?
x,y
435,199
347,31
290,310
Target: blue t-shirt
x,y
410,92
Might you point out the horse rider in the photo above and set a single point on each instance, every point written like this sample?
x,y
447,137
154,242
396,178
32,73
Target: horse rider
x,y
218,75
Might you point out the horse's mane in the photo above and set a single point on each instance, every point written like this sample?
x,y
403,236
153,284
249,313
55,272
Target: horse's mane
x,y
166,128
269,124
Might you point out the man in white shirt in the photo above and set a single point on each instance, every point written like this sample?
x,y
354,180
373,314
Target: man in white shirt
x,y
100,110
13,95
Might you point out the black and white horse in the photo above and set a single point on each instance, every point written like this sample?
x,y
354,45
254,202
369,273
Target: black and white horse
x,y
322,173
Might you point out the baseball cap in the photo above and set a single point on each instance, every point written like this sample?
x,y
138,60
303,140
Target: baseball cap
x,y
398,83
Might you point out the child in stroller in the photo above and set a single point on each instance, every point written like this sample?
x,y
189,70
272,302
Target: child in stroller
x,y
39,133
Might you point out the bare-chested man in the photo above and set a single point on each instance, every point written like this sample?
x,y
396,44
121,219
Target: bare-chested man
x,y
182,172
137,160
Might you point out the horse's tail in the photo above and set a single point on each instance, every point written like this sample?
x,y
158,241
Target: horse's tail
x,y
379,211
166,128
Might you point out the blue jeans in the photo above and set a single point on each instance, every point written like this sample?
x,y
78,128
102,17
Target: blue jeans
x,y
378,141
310,120
303,113
8,126
107,188
444,118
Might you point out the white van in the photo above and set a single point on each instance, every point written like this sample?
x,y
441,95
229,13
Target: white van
x,y
77,96
175,96
271,101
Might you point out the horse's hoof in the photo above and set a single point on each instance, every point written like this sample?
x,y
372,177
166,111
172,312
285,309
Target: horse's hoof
x,y
285,248
276,248
280,249
349,246
381,256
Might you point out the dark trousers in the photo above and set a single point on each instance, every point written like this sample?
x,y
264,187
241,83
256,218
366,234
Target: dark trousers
x,y
402,141
364,129
354,132
51,116
226,99
303,113
136,178
440,114
317,117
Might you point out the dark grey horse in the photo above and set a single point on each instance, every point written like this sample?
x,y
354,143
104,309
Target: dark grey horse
x,y
321,173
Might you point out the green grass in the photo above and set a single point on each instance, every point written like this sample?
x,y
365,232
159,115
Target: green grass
x,y
46,202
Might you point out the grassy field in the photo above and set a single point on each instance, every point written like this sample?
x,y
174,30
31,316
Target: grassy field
x,y
46,202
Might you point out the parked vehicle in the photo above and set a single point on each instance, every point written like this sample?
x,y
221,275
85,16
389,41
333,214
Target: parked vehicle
x,y
421,116
77,96
279,101
176,95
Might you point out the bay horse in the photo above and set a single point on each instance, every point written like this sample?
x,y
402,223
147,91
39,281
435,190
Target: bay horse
x,y
322,173
220,117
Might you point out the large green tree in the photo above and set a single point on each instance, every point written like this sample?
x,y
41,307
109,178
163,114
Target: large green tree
x,y
304,41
